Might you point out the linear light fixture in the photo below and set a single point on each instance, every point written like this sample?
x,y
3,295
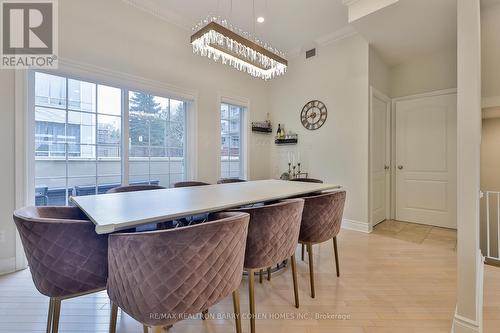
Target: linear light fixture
x,y
216,40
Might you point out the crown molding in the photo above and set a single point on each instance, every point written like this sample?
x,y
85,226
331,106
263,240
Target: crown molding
x,y
349,2
335,36
165,15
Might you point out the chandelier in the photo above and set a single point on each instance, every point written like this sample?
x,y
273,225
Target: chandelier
x,y
215,39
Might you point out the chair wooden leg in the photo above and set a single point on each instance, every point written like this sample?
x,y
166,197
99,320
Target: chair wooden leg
x,y
261,272
251,297
114,315
336,255
57,313
302,252
157,329
204,314
237,311
144,329
269,274
311,269
294,276
50,315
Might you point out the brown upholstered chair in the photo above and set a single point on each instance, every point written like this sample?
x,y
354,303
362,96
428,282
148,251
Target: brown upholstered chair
x,y
161,277
133,188
65,256
230,180
307,180
273,233
190,183
321,221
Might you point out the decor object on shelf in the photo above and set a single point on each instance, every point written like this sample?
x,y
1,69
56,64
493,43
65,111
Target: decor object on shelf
x,y
289,139
216,39
294,167
262,126
313,115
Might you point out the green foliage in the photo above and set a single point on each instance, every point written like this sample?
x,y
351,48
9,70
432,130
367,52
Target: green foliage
x,y
151,125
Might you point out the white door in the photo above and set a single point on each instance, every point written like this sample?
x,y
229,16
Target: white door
x,y
426,159
380,157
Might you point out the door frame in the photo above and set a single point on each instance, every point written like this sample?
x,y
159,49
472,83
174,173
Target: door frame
x,y
434,93
378,94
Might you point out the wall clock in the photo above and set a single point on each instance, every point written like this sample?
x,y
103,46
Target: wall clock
x,y
313,115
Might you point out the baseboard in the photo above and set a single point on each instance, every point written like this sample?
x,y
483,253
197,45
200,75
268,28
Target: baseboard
x,y
7,265
464,325
356,226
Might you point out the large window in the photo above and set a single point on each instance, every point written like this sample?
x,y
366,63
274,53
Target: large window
x,y
157,140
231,152
79,138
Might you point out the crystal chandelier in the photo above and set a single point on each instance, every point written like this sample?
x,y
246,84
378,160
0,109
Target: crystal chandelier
x,y
215,39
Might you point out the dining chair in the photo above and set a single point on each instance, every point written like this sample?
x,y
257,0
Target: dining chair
x,y
144,187
307,180
65,255
273,233
190,183
133,188
230,180
162,277
321,221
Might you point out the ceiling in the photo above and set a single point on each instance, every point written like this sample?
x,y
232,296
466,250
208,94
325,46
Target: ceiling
x,y
411,28
399,32
289,25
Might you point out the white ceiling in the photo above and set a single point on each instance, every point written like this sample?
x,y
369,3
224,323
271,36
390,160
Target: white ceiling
x,y
398,32
289,24
410,28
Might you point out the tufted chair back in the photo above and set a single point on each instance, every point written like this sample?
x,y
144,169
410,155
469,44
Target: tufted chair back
x,y
230,180
65,255
160,277
190,183
273,232
133,188
322,216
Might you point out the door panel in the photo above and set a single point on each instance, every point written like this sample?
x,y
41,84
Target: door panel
x,y
380,158
426,160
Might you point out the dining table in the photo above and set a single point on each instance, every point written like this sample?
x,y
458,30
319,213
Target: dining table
x,y
119,211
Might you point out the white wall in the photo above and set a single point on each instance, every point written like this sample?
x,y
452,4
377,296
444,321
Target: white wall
x,y
490,25
118,37
338,151
468,316
379,73
432,72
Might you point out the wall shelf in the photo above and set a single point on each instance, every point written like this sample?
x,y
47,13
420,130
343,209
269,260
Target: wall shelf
x,y
292,141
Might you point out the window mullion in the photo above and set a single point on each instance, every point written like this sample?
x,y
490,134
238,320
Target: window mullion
x,y
66,182
125,138
96,140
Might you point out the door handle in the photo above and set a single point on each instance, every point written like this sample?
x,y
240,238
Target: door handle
x,y
400,167
387,167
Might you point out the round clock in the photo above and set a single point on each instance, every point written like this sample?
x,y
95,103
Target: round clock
x,y
313,115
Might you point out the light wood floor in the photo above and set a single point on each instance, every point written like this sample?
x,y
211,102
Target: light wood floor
x,y
400,278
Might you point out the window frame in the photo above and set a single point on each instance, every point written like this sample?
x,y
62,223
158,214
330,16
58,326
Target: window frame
x,y
25,117
244,105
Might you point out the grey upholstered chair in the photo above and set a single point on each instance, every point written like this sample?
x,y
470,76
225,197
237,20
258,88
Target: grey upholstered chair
x,y
65,256
190,183
321,221
273,233
133,188
307,180
161,277
230,180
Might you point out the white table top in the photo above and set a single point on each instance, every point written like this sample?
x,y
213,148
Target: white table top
x,y
118,211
